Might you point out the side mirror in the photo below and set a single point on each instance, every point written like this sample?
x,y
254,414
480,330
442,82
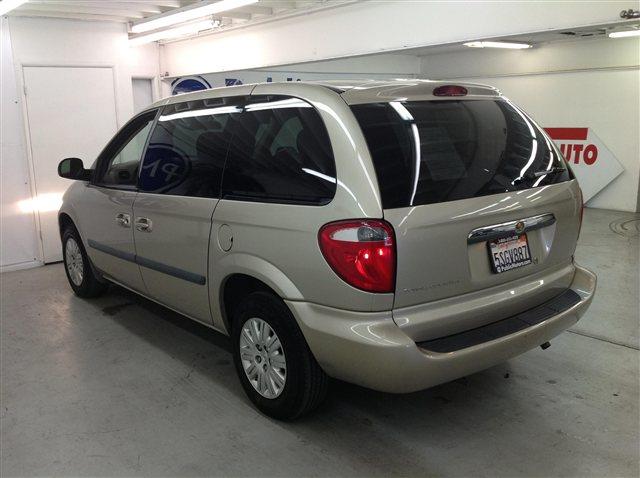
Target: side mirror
x,y
73,168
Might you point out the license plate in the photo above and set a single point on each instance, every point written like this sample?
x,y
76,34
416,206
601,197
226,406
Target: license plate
x,y
509,253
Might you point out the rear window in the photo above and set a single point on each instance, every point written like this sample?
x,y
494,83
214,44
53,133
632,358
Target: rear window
x,y
427,152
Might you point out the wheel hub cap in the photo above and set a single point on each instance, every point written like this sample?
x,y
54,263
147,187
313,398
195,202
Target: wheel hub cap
x,y
263,358
73,261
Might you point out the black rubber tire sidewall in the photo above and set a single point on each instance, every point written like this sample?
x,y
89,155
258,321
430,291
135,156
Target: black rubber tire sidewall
x,y
305,384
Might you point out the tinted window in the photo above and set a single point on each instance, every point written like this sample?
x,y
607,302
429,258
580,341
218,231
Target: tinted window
x,y
118,163
428,152
188,148
280,153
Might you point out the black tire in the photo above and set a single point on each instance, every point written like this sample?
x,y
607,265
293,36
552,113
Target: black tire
x,y
306,384
90,285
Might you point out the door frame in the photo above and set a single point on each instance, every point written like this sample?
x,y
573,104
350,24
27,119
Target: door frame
x,y
155,85
23,93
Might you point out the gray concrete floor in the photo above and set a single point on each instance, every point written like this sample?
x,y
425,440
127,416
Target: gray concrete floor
x,y
120,386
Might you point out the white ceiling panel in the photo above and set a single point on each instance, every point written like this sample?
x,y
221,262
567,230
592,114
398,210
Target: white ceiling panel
x,y
128,11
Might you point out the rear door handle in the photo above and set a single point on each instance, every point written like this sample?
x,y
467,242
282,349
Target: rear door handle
x,y
123,219
510,228
144,224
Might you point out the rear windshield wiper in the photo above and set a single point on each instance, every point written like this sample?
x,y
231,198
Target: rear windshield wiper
x,y
557,169
537,174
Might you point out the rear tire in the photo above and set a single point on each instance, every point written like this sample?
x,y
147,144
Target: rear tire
x,y
78,268
276,368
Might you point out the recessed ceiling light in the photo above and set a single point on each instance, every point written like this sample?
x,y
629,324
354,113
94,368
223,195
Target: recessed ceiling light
x,y
497,44
624,34
8,5
169,18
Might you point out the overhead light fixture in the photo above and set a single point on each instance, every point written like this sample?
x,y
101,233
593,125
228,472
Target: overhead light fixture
x,y
8,5
625,34
184,15
182,30
498,44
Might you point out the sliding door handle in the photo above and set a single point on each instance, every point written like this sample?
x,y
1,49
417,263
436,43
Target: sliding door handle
x,y
144,224
123,219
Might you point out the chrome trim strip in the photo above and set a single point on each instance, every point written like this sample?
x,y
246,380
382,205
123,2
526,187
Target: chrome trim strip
x,y
497,231
149,264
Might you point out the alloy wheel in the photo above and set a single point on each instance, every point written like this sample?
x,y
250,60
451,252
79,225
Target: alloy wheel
x,y
262,357
74,262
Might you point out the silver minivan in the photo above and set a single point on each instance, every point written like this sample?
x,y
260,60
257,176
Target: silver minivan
x,y
392,234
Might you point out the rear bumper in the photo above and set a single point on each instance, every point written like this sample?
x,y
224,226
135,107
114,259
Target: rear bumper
x,y
369,349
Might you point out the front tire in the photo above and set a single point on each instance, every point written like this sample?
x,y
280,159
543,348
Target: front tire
x,y
80,274
276,368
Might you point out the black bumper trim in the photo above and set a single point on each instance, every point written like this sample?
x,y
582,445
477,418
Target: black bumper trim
x,y
504,327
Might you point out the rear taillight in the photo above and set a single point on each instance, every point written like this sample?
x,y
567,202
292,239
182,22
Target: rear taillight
x,y
361,252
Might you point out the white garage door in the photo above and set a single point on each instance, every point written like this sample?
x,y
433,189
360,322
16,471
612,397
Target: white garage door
x,y
71,113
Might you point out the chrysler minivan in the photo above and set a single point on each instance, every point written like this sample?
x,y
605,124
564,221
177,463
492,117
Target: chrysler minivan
x,y
393,234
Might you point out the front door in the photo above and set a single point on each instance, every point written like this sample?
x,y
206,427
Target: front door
x,y
106,218
179,187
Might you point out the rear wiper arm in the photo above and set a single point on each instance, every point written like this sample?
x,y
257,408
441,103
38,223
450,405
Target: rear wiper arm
x,y
556,169
537,174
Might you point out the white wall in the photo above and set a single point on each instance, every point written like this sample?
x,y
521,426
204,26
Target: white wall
x,y
18,245
401,65
585,54
54,42
384,66
144,62
589,83
375,27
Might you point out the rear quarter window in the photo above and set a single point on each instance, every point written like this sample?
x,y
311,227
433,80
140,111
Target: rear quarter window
x,y
427,152
280,152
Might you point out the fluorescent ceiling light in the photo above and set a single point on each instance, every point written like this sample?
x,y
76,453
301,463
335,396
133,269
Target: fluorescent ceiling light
x,y
624,34
189,14
183,30
8,5
497,44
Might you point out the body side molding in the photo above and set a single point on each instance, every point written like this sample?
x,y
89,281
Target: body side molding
x,y
149,264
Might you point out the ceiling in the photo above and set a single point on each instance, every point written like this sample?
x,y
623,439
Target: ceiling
x,y
535,39
133,10
129,11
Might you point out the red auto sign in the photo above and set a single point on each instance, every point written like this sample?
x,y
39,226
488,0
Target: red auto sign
x,y
576,149
593,163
